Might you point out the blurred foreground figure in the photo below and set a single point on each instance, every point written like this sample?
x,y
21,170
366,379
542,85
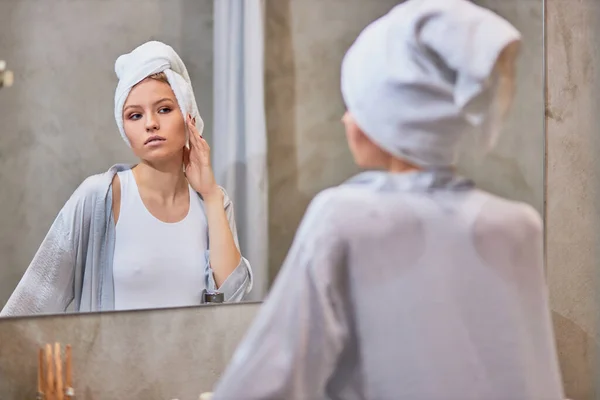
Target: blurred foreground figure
x,y
407,282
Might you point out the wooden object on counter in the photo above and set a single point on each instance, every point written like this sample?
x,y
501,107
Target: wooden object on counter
x,y
60,394
54,381
69,391
40,383
49,385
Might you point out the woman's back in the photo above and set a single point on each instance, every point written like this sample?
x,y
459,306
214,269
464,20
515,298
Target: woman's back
x,y
411,286
447,291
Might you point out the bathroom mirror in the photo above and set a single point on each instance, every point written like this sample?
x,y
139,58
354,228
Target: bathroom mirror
x,y
59,128
306,41
58,119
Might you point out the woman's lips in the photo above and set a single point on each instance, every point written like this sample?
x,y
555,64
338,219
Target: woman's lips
x,y
154,140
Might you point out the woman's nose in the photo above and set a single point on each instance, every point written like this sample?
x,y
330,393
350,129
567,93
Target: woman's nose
x,y
151,122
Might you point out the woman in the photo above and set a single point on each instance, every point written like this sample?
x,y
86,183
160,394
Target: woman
x,y
156,234
410,283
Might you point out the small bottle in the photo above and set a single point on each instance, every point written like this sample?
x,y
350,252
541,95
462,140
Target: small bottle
x,y
213,297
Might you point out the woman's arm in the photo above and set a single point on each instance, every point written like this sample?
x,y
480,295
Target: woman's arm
x,y
234,282
294,344
224,253
226,269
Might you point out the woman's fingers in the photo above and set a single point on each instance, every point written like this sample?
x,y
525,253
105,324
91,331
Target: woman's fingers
x,y
186,156
203,144
194,136
196,139
199,150
192,129
192,125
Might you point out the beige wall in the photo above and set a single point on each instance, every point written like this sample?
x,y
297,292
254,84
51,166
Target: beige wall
x,y
306,40
573,239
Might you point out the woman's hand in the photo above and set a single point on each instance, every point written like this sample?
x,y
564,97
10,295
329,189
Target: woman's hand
x,y
224,254
196,161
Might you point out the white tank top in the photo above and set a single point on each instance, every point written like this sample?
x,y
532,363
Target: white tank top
x,y
157,264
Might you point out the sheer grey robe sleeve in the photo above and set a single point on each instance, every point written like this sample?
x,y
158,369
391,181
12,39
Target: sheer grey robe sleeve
x,y
239,283
48,285
293,347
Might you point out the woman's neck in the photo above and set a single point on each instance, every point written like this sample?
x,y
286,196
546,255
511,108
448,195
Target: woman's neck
x,y
165,181
397,166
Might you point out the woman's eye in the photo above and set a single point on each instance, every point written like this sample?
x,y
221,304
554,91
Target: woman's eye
x,y
164,110
135,116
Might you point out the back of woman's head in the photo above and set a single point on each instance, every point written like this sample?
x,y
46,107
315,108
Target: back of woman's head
x,y
427,72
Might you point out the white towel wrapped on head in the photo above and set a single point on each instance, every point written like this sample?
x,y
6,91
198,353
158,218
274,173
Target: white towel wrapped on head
x,y
419,77
148,59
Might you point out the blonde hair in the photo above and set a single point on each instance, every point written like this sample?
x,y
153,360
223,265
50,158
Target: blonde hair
x,y
160,76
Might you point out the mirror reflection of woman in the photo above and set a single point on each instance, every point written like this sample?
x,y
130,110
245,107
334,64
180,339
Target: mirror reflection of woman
x,y
156,234
409,283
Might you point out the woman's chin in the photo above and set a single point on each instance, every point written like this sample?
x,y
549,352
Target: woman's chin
x,y
160,155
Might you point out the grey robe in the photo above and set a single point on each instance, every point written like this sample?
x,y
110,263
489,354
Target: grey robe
x,y
404,287
74,262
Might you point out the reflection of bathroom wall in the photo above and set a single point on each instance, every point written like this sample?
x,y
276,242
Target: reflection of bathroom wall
x,y
171,354
515,168
573,190
306,40
57,120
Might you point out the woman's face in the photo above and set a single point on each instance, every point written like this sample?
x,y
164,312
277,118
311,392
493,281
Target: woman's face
x,y
153,121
